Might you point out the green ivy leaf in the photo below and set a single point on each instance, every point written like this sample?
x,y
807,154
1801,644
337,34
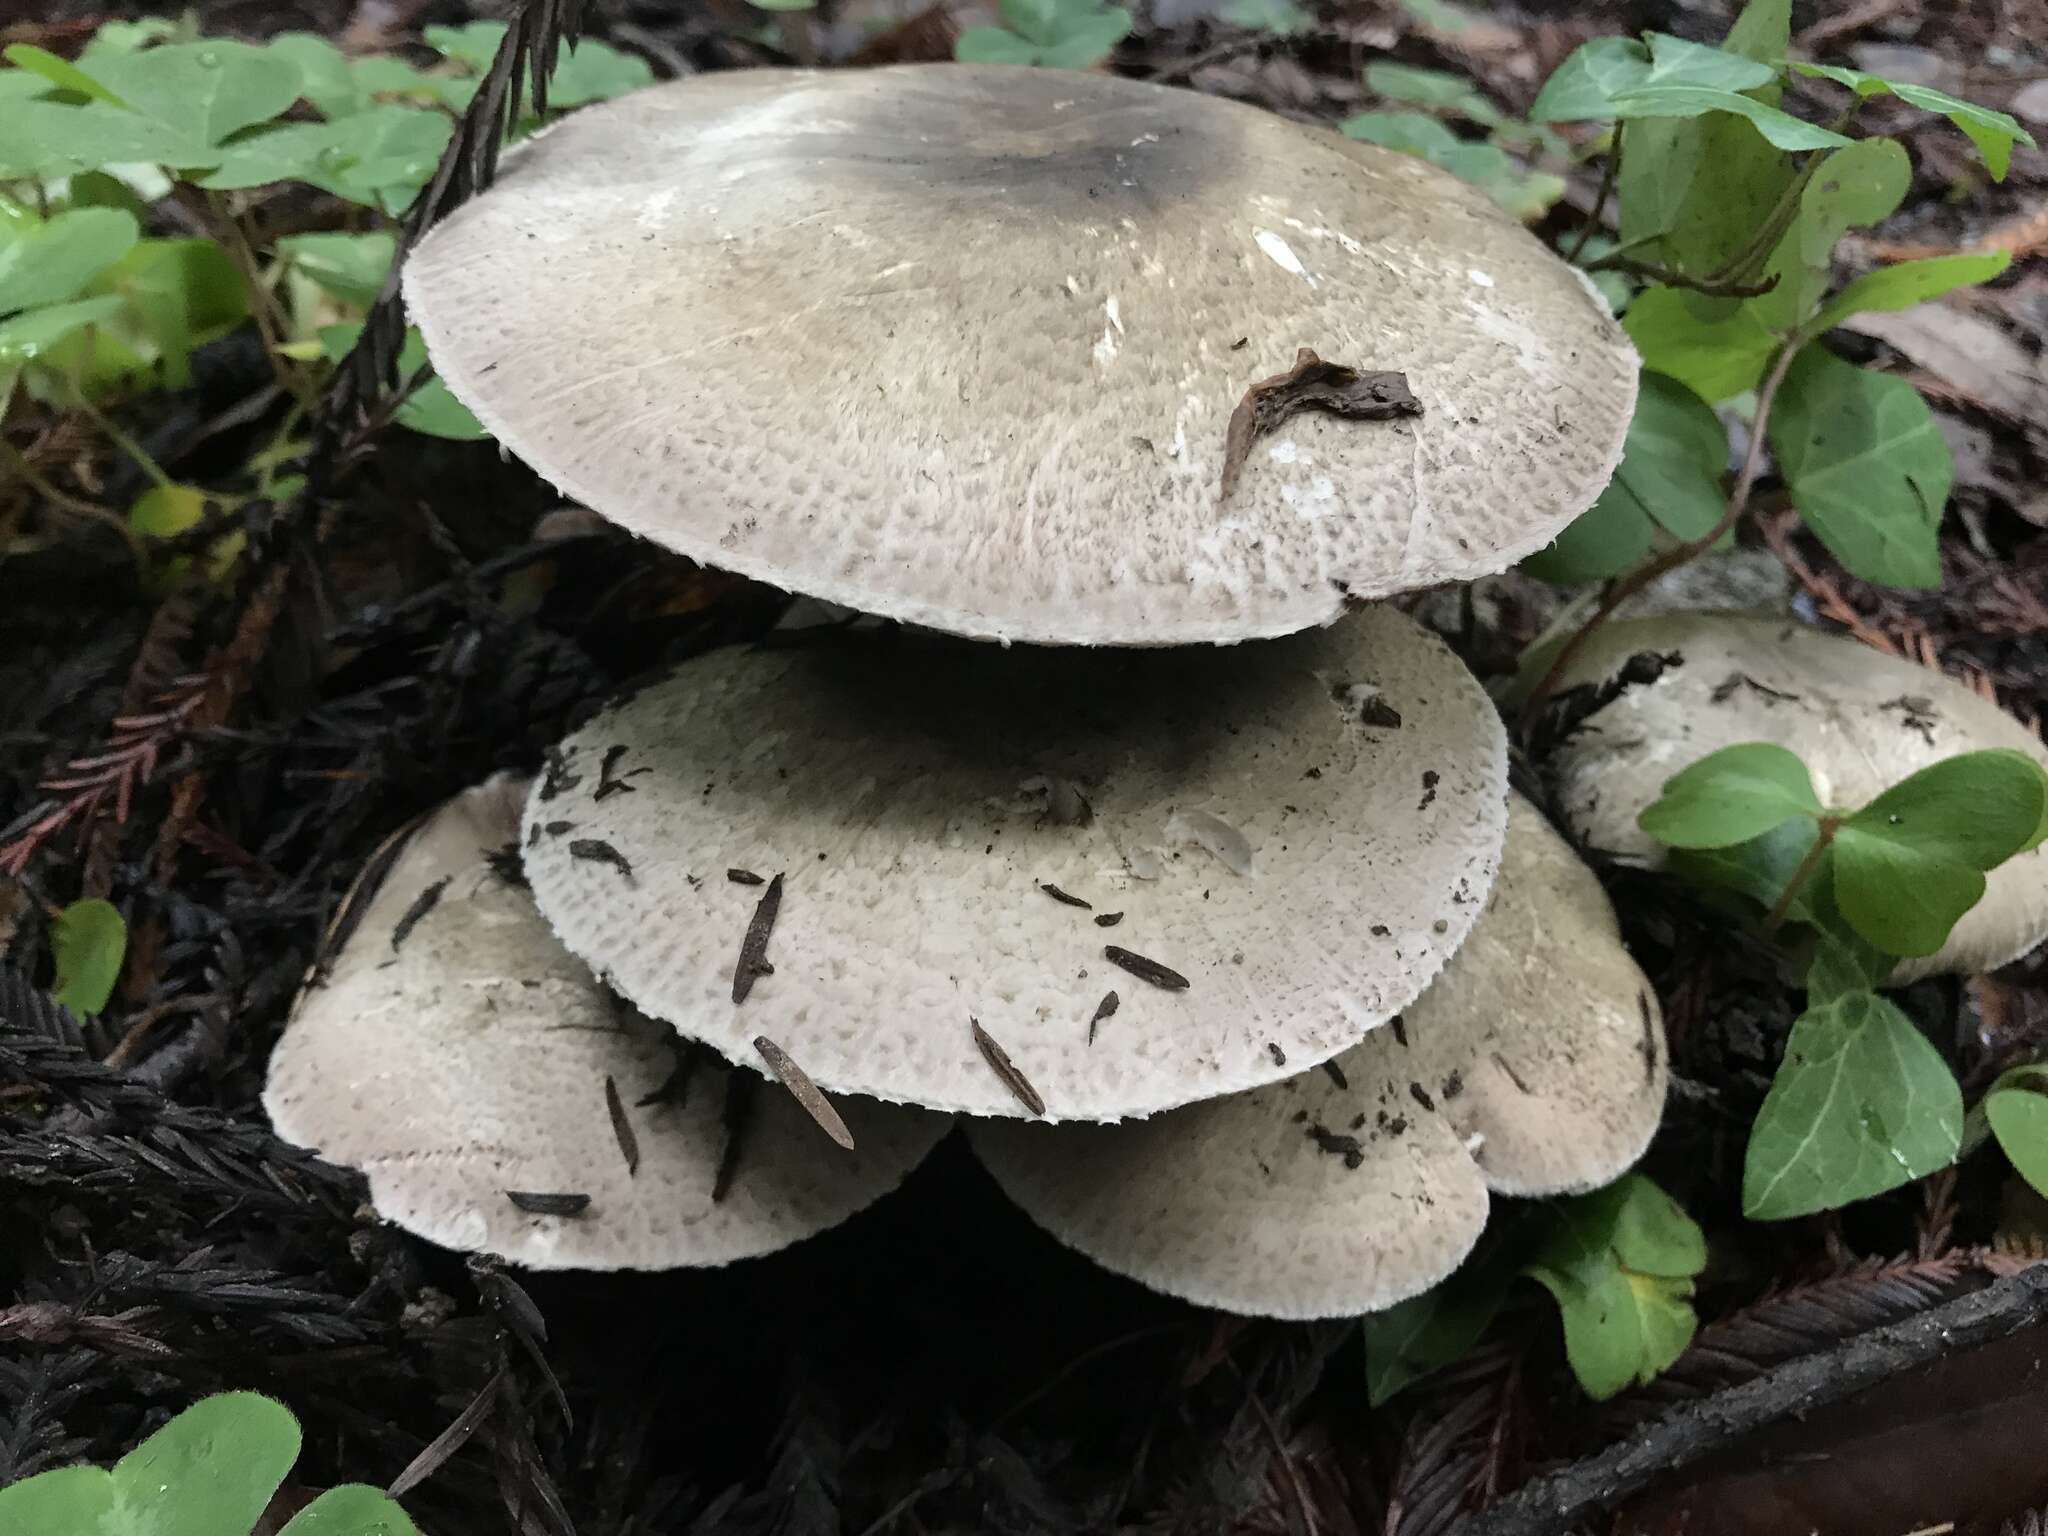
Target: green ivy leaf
x,y
1907,283
1592,79
354,1509
1910,863
49,262
88,940
1089,39
1621,1270
2017,1107
1780,128
1994,133
1669,476
1715,356
430,409
1695,191
1866,465
1850,189
1844,962
1731,796
1861,1104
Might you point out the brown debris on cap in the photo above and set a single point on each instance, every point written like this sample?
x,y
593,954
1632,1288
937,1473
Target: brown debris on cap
x,y
1535,1065
1859,719
902,786
781,321
484,1064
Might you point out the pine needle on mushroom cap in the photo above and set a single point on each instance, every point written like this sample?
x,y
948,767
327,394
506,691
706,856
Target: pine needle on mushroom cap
x,y
1534,1065
962,345
1859,719
479,1075
1349,779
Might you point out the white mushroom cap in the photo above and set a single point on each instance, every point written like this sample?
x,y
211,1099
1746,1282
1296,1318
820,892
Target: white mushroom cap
x,y
463,1054
1256,815
1861,721
959,345
1534,1066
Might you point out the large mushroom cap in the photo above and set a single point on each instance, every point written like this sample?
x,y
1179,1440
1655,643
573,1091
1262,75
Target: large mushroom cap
x,y
960,344
1860,720
1303,830
1534,1066
457,1053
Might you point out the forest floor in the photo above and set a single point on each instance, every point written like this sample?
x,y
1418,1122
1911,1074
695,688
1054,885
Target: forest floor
x,y
938,1364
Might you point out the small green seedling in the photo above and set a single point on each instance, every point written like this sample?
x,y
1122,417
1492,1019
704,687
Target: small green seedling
x,y
1619,1263
211,1471
1862,1102
1055,34
2016,1112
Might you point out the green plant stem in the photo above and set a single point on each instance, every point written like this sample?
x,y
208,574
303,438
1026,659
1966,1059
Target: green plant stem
x,y
270,319
1821,843
1608,175
1627,585
119,436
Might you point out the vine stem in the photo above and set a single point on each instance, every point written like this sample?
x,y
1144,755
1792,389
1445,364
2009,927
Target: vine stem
x,y
1624,587
1821,843
1609,173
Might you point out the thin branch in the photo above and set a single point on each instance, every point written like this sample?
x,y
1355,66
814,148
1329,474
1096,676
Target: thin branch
x,y
1803,873
1608,175
1622,588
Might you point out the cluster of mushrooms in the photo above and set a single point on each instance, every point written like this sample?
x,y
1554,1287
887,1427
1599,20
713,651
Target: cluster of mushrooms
x,y
1199,900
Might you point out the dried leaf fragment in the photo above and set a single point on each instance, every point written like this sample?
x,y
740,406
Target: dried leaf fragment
x,y
804,1091
1310,385
1006,1069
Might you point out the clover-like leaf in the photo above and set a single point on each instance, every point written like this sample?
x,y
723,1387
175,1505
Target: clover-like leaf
x,y
30,336
1762,867
1485,165
1867,467
380,156
1731,796
1621,1269
1994,133
1714,355
326,77
202,93
53,260
1861,1104
1432,88
354,1509
2017,1109
1054,34
1910,863
351,267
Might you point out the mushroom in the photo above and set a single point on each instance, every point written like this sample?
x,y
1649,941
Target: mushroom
x,y
1861,721
473,1069
963,346
1264,852
1534,1066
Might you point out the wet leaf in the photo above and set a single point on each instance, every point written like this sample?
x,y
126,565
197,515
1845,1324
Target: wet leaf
x,y
56,259
1861,1104
354,1509
351,267
1866,465
1731,796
